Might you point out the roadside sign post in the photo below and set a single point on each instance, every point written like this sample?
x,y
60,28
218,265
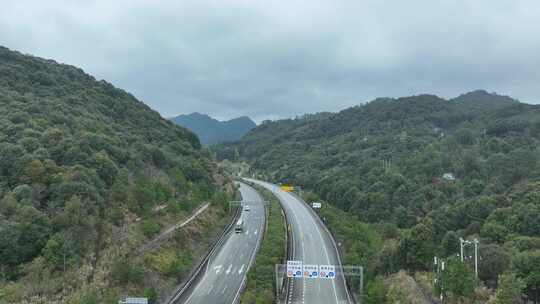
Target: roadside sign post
x,y
311,271
294,269
286,188
327,271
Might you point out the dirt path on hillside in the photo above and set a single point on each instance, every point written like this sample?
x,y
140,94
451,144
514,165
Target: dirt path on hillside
x,y
155,242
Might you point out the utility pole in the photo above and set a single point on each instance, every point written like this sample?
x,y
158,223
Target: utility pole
x,y
439,267
461,243
475,242
476,257
361,283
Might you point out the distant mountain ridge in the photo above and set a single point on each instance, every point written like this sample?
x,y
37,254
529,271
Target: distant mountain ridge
x,y
212,131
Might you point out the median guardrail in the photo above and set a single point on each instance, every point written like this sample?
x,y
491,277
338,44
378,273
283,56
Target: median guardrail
x,y
290,256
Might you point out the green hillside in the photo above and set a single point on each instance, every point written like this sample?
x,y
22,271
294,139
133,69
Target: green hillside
x,y
430,169
83,167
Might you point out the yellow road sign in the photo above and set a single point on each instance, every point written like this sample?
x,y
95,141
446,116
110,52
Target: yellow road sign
x,y
286,188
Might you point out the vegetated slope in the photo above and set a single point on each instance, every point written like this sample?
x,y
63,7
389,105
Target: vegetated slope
x,y
80,160
385,162
212,131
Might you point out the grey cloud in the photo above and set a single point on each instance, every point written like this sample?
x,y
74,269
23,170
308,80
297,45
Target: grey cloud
x,y
270,59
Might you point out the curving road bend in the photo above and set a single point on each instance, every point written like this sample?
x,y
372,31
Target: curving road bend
x,y
312,245
226,271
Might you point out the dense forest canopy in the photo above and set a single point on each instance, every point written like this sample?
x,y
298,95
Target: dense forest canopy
x,y
435,169
77,157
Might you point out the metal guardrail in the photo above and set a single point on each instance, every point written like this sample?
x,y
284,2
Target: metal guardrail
x,y
195,274
290,256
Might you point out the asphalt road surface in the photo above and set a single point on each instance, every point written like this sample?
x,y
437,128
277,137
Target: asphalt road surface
x,y
312,245
227,269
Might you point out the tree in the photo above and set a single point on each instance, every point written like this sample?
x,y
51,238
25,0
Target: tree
x,y
105,167
494,260
494,232
527,265
457,279
510,289
23,236
124,271
33,172
151,294
464,136
375,292
89,296
150,227
416,248
450,244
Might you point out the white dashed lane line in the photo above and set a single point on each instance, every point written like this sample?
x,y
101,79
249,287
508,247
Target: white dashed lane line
x,y
241,269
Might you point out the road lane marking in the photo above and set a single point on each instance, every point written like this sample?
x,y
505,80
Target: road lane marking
x,y
224,288
241,269
256,231
325,251
229,269
217,269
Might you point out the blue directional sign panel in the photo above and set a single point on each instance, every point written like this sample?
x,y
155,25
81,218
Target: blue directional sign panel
x,y
311,271
294,269
327,271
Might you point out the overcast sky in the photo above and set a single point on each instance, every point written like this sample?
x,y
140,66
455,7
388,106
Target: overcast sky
x,y
274,59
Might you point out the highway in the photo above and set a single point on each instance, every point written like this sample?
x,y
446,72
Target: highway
x,y
226,271
312,245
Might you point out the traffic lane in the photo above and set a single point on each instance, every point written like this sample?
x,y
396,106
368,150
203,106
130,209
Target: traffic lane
x,y
226,270
329,255
332,253
314,251
305,228
220,277
219,280
228,274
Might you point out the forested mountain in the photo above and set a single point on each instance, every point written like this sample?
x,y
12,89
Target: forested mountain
x,y
212,131
83,165
434,169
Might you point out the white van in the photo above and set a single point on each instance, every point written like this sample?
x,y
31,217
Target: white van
x,y
239,227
